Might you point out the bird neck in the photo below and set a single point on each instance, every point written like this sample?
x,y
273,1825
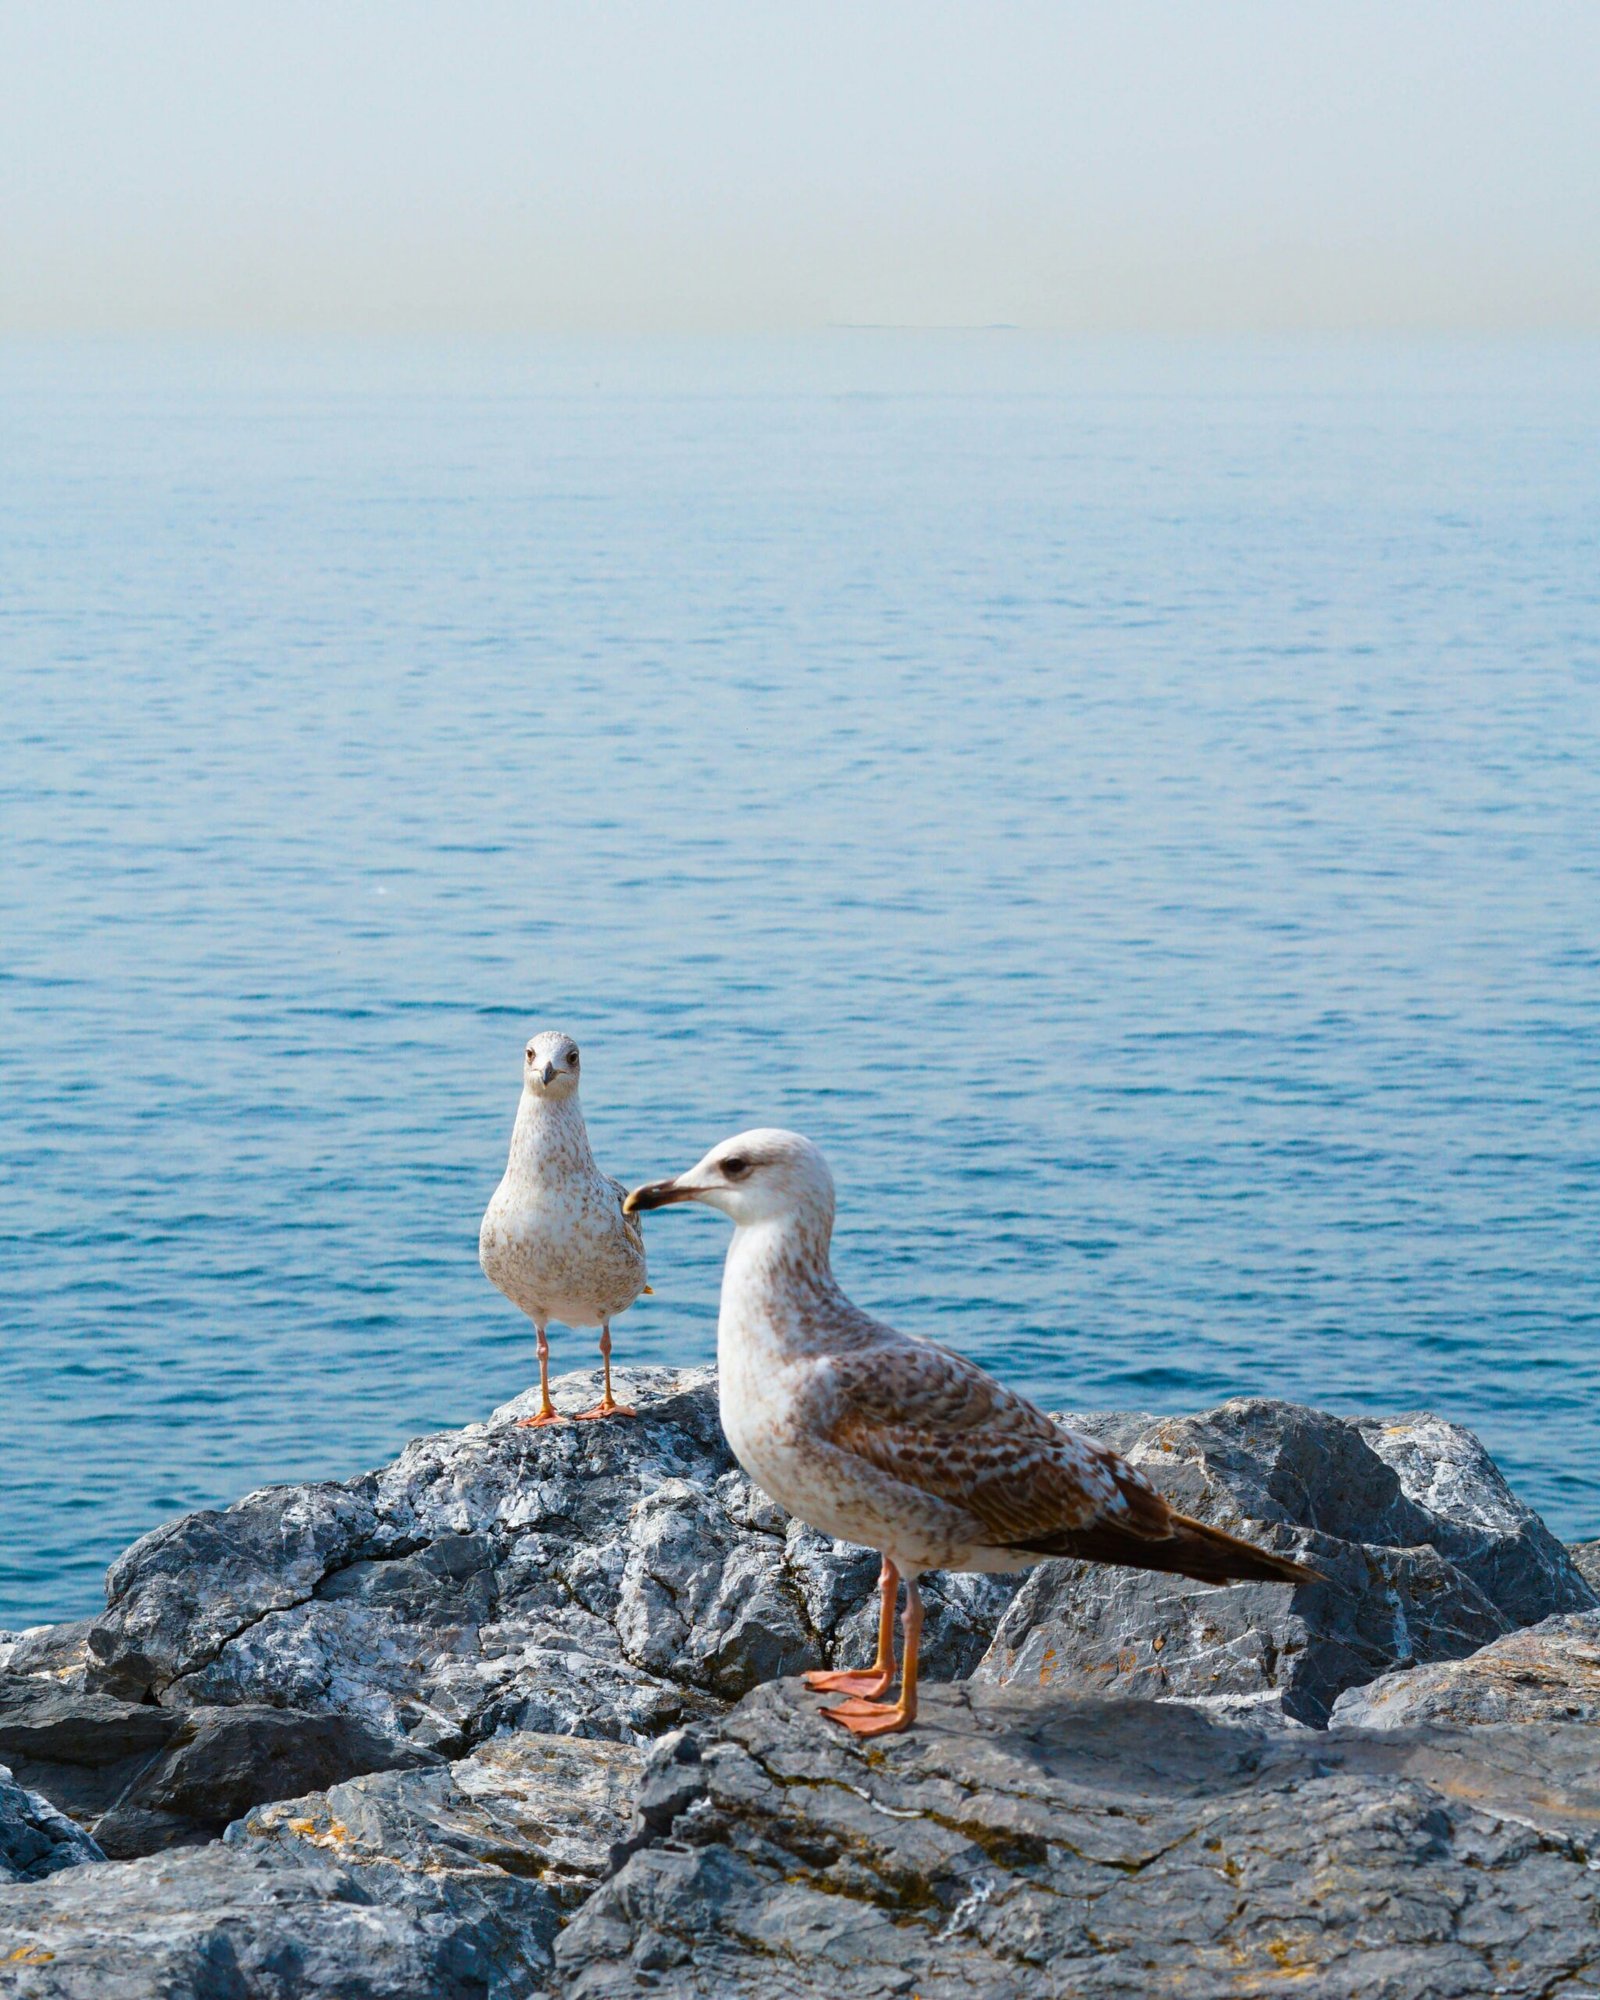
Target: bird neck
x,y
780,1299
549,1132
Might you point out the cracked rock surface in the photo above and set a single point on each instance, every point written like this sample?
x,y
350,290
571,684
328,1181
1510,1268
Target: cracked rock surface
x,y
1549,1672
1019,1844
1427,1556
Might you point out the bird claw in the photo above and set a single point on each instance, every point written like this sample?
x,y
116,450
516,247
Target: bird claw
x,y
603,1409
869,1718
862,1682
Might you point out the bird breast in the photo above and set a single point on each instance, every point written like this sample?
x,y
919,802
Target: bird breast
x,y
561,1254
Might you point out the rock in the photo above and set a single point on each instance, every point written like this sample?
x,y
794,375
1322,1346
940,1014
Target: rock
x,y
213,1923
1019,1843
513,1837
1426,1553
58,1650
1551,1671
401,1886
1586,1561
141,1778
1475,1520
610,1579
35,1839
538,1605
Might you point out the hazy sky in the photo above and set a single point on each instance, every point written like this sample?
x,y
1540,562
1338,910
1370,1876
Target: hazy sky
x,y
382,164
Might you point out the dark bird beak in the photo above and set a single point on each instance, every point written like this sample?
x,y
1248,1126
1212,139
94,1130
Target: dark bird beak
x,y
656,1194
548,1072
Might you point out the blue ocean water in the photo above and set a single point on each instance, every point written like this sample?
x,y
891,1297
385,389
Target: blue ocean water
x,y
1137,807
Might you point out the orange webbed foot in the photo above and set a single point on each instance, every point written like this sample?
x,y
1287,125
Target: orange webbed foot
x,y
539,1419
864,1681
604,1408
869,1718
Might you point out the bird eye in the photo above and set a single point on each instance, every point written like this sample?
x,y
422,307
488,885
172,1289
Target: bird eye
x,y
572,1057
736,1168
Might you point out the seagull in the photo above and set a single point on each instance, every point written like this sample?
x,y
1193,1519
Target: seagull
x,y
555,1237
880,1438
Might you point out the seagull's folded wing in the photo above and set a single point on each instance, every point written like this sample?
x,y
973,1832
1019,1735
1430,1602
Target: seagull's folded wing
x,y
633,1228
936,1421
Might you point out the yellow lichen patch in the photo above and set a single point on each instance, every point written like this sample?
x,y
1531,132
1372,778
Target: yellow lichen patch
x,y
1290,1960
1047,1666
29,1954
334,1834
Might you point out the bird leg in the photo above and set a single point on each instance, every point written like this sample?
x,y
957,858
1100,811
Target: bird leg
x,y
882,1718
608,1406
874,1680
547,1413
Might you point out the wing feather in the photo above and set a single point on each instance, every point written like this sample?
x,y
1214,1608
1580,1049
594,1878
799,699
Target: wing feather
x,y
929,1417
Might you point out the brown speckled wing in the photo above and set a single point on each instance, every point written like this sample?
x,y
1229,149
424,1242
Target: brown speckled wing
x,y
935,1420
632,1226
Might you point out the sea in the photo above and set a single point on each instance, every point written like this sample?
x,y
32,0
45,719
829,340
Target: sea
x,y
1136,805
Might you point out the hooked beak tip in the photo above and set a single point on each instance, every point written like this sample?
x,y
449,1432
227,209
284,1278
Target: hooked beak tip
x,y
547,1073
655,1194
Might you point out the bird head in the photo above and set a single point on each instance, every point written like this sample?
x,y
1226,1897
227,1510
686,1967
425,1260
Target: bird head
x,y
762,1176
550,1066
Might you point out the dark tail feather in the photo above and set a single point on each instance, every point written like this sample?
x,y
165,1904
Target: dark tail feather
x,y
1211,1555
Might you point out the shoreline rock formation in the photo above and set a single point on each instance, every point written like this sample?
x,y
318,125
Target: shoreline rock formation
x,y
517,1715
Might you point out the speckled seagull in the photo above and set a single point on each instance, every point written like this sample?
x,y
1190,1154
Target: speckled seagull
x,y
878,1438
555,1237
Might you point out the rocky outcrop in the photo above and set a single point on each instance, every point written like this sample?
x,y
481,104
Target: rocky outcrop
x,y
489,1690
610,1579
1019,1843
1586,1561
35,1839
1551,1672
1425,1552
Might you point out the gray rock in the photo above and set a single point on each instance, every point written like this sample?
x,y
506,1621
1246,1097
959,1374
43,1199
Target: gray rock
x,y
1551,1672
1019,1844
141,1778
1475,1520
58,1650
1426,1553
213,1923
35,1839
1586,1561
512,1838
609,1579
440,1882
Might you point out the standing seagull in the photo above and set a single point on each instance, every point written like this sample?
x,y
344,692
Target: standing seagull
x,y
555,1237
876,1437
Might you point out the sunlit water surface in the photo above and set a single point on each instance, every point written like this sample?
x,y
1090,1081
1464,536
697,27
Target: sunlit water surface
x,y
1139,810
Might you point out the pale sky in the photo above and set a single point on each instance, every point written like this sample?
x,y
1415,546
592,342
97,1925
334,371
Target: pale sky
x,y
464,166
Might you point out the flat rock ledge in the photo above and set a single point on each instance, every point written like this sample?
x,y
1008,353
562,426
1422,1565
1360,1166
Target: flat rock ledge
x,y
516,1716
1020,1844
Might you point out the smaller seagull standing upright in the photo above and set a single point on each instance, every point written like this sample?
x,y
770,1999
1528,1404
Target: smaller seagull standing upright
x,y
875,1437
555,1238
